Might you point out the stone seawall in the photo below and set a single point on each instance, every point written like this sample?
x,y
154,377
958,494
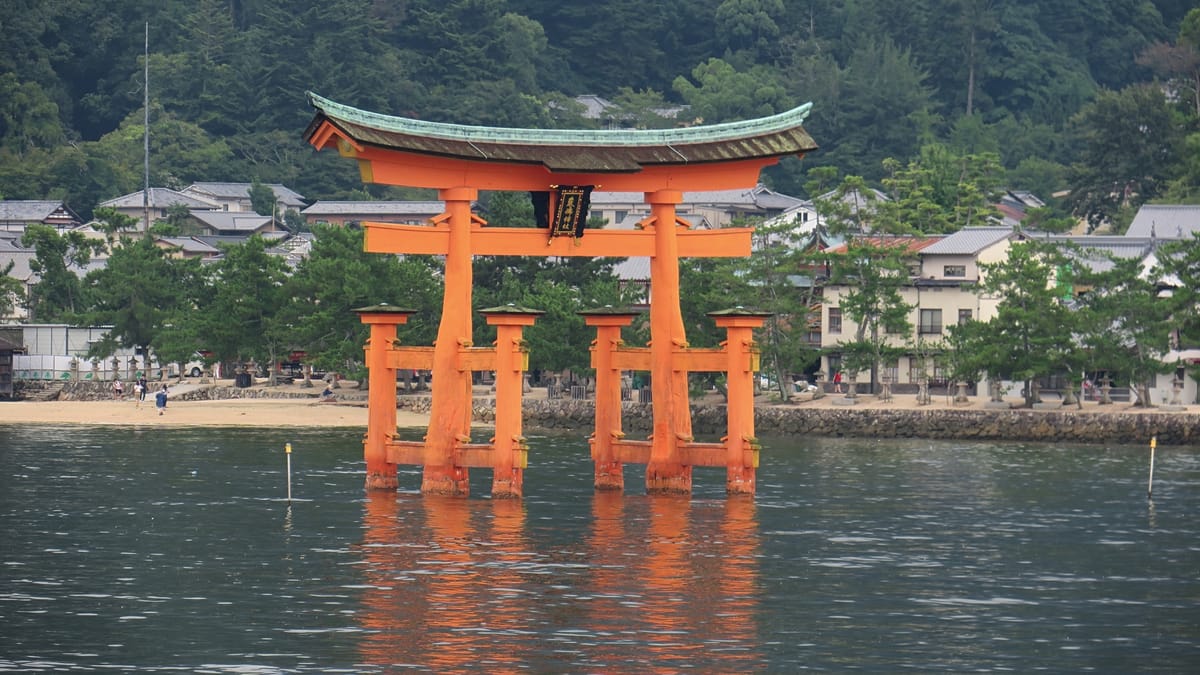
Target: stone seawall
x,y
102,391
1127,428
935,423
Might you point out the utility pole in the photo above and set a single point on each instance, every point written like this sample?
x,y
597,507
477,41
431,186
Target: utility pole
x,y
146,134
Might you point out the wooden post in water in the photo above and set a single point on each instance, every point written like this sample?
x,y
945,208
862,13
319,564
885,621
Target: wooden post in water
x,y
287,450
1150,483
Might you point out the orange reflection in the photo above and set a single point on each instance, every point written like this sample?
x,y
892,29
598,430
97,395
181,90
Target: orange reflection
x,y
694,575
444,582
391,606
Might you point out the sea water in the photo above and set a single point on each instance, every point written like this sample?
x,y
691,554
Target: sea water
x,y
177,550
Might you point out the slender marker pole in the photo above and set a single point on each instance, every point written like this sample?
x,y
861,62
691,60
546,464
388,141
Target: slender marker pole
x,y
287,449
1150,484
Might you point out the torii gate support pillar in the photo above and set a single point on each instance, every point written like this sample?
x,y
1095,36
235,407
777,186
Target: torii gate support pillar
x,y
741,446
509,452
609,468
381,393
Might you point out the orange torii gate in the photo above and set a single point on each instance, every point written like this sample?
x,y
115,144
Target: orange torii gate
x,y
459,161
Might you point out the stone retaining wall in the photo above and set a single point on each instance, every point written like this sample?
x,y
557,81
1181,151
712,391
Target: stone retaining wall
x,y
102,391
1130,428
935,423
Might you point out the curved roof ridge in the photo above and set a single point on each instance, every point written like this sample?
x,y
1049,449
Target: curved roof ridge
x,y
578,137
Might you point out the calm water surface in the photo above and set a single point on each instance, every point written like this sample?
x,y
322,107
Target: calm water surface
x,y
175,550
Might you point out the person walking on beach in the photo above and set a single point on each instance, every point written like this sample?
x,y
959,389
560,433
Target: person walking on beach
x,y
142,388
118,390
160,400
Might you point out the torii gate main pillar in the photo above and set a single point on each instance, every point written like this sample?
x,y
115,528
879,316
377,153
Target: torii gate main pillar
x,y
450,411
665,473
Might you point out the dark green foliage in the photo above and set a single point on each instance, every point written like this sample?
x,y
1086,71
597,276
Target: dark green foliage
x,y
58,261
227,80
146,297
1033,333
964,96
315,312
1131,142
1125,322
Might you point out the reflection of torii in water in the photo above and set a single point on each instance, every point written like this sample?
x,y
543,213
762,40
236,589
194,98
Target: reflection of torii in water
x,y
459,161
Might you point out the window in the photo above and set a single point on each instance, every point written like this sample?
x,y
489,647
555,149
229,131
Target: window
x,y
931,322
964,315
954,271
835,321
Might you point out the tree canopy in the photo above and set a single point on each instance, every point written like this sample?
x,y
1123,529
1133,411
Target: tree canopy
x,y
227,82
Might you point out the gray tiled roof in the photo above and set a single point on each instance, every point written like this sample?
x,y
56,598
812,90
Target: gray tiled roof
x,y
190,245
225,221
1095,250
285,195
759,197
216,240
327,208
1165,221
969,241
636,268
159,198
27,210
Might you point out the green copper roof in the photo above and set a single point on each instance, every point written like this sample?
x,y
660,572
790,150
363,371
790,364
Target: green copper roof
x,y
575,149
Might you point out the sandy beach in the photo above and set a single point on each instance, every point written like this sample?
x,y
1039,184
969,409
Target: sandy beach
x,y
276,413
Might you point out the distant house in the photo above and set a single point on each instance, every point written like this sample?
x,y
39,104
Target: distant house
x,y
230,224
187,247
11,251
600,108
354,213
16,214
293,249
10,344
1165,221
940,291
718,208
235,197
1014,207
160,199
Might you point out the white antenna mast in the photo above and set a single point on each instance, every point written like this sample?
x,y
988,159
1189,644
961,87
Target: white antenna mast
x,y
146,125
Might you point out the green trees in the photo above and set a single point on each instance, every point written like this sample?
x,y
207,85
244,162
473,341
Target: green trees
x,y
1125,325
769,282
1033,332
227,80
236,317
941,191
1179,265
336,278
12,292
870,274
1130,147
58,262
144,295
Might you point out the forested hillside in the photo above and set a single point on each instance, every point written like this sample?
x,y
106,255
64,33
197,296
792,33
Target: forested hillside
x,y
1065,93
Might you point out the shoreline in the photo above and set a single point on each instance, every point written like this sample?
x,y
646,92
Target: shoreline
x,y
291,406
257,412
